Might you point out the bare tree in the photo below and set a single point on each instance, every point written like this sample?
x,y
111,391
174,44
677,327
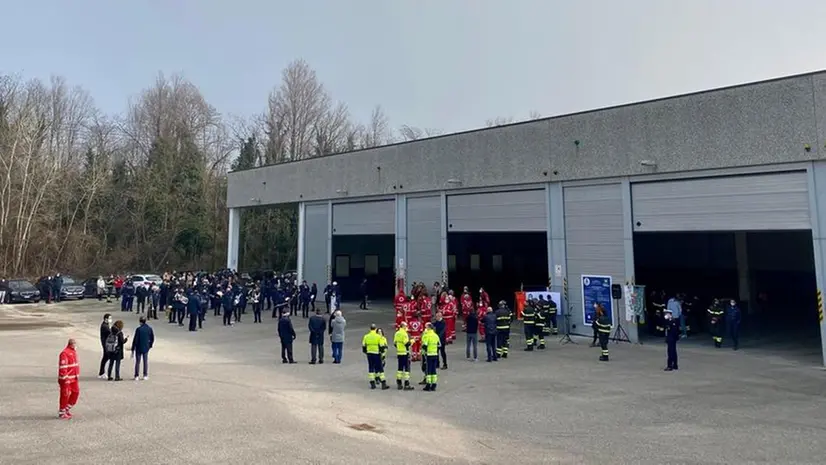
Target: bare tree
x,y
498,121
408,133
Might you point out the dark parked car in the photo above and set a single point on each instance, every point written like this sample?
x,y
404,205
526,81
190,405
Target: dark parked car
x,y
71,289
90,288
20,290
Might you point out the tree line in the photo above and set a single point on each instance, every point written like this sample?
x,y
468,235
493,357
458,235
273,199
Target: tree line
x,y
87,193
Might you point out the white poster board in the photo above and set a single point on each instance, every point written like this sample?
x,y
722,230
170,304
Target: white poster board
x,y
554,296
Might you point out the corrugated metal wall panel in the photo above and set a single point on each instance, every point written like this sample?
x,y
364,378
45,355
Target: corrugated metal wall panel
x,y
772,201
424,245
497,212
595,243
315,243
362,218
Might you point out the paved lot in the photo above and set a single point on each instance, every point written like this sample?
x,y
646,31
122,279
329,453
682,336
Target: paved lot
x,y
218,396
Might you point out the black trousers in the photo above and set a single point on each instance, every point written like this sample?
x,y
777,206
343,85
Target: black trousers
x,y
603,343
363,304
305,309
141,306
172,315
490,346
181,315
312,302
193,322
286,351
327,303
502,341
103,360
403,368
317,349
227,318
672,354
443,355
216,308
256,310
238,314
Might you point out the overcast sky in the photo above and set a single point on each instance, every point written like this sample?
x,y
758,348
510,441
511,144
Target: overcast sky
x,y
446,64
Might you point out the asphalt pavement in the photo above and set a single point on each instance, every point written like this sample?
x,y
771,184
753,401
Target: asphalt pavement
x,y
222,396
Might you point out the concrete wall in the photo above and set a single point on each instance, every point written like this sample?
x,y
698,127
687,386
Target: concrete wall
x,y
755,124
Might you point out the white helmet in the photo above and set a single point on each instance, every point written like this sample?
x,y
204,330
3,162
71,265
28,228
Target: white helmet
x,y
335,283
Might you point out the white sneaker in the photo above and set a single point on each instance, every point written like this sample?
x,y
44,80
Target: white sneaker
x,y
136,378
145,378
102,377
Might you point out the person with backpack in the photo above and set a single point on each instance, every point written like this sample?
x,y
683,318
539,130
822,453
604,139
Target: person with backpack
x,y
114,349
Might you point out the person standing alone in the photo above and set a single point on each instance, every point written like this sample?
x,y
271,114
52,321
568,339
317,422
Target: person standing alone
x,y
672,335
68,370
142,342
337,326
286,333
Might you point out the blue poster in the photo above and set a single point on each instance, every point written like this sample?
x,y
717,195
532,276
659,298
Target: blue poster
x,y
596,290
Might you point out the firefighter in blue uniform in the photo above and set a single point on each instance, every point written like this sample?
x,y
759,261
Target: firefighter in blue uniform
x,y
603,325
528,321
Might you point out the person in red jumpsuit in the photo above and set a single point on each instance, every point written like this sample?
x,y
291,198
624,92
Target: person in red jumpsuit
x,y
467,303
449,313
400,304
415,328
481,311
483,297
68,371
425,308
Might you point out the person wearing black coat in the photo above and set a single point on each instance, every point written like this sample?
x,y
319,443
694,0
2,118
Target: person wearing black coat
x,y
116,356
313,295
317,326
490,335
672,335
193,307
226,303
286,333
440,327
104,333
141,292
141,344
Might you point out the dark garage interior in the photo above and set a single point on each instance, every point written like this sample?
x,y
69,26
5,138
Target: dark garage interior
x,y
499,262
780,311
364,256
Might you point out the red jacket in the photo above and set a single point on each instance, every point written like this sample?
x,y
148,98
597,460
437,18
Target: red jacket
x,y
68,370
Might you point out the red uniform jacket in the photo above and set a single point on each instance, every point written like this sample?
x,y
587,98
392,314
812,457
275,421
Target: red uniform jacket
x,y
399,304
467,304
68,370
485,299
481,310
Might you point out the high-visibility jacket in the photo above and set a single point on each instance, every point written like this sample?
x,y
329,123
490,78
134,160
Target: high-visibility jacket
x,y
371,342
603,325
503,319
383,345
529,315
68,370
431,342
402,341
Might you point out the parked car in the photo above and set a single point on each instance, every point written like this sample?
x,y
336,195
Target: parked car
x,y
20,290
145,279
90,288
71,289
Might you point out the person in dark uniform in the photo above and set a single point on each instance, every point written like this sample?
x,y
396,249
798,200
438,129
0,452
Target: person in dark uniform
x,y
363,290
733,318
286,333
141,292
540,322
715,322
317,327
528,320
313,295
226,303
193,307
440,328
304,296
551,326
328,295
603,325
672,335
503,329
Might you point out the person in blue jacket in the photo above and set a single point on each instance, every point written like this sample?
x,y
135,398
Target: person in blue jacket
x,y
142,342
733,318
226,302
304,297
193,307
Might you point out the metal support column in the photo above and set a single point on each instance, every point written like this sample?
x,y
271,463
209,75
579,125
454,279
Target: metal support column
x,y
631,327
302,211
329,241
234,238
401,240
817,212
557,259
443,217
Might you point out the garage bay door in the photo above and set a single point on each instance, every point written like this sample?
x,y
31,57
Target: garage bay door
x,y
315,243
364,218
424,239
497,212
774,201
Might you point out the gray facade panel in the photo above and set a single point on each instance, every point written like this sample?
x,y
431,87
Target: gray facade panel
x,y
315,243
424,261
756,124
766,202
364,218
595,241
497,212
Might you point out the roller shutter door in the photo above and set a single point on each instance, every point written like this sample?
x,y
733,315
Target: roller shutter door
x,y
497,212
315,243
363,218
424,245
762,202
594,241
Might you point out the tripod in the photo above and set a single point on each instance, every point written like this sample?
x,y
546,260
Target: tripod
x,y
619,334
566,338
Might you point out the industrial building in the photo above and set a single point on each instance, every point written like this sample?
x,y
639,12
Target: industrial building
x,y
722,192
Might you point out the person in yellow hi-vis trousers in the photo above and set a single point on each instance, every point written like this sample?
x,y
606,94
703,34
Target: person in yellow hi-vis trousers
x,y
371,344
430,346
402,342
